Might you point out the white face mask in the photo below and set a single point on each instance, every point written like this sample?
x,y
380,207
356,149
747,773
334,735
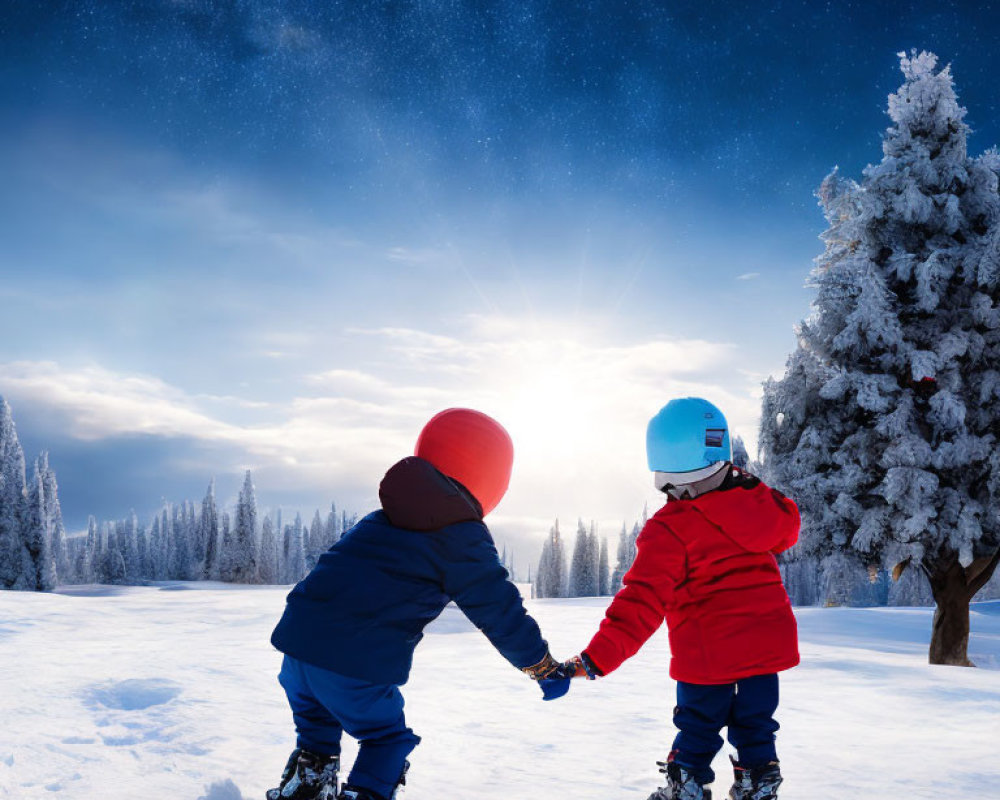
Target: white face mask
x,y
687,485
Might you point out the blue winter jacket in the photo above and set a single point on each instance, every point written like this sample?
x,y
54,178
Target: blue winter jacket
x,y
363,608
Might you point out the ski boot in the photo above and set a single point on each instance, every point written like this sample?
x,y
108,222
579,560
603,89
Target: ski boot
x,y
307,776
358,793
742,784
757,783
681,784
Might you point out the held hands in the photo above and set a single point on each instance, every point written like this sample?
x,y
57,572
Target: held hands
x,y
554,677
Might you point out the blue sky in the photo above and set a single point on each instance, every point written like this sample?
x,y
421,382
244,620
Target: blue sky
x,y
279,236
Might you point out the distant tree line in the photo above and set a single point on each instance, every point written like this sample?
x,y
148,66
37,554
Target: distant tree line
x,y
588,573
190,541
810,581
182,541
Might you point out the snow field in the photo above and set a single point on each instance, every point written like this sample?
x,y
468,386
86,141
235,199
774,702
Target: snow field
x,y
170,692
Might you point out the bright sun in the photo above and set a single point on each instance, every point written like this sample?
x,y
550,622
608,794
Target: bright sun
x,y
549,401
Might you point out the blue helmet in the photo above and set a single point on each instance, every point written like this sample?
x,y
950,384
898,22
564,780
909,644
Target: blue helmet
x,y
687,434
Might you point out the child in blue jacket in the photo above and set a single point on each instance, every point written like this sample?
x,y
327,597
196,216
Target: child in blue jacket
x,y
350,627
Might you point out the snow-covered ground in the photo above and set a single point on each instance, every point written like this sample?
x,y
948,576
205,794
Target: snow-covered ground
x,y
169,693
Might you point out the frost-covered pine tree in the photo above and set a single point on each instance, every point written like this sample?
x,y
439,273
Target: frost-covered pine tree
x,y
594,556
285,552
621,562
296,562
582,569
209,523
130,547
227,557
41,569
81,560
142,553
180,552
282,545
155,548
884,426
603,573
114,569
168,528
164,557
542,587
53,519
550,578
559,574
347,522
93,552
332,528
244,564
540,583
268,553
15,561
191,522
317,541
741,458
800,574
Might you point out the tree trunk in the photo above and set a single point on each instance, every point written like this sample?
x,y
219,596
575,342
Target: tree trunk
x,y
953,587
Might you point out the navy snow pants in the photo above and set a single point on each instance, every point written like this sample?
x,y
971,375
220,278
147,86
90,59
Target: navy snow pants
x,y
746,707
325,705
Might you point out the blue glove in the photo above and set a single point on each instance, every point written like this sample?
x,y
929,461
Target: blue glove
x,y
553,688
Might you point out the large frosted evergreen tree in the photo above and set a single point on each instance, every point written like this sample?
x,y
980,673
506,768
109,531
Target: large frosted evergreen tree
x,y
884,427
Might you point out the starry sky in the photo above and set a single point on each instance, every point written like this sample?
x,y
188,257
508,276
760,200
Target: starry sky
x,y
280,235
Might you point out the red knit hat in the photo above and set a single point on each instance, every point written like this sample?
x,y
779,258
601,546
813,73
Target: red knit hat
x,y
472,448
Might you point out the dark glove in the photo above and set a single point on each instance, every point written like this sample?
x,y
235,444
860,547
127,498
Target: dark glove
x,y
581,667
553,678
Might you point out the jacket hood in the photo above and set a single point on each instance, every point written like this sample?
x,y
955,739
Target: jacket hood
x,y
750,513
418,497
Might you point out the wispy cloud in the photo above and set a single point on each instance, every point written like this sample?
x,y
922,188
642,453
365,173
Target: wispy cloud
x,y
93,402
416,255
748,276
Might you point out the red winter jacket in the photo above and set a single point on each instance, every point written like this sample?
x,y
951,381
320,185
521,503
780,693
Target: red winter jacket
x,y
707,566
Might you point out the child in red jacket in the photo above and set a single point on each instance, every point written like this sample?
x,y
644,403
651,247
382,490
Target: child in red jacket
x,y
705,563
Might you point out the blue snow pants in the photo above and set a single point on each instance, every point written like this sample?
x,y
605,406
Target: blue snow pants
x,y
325,705
746,707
